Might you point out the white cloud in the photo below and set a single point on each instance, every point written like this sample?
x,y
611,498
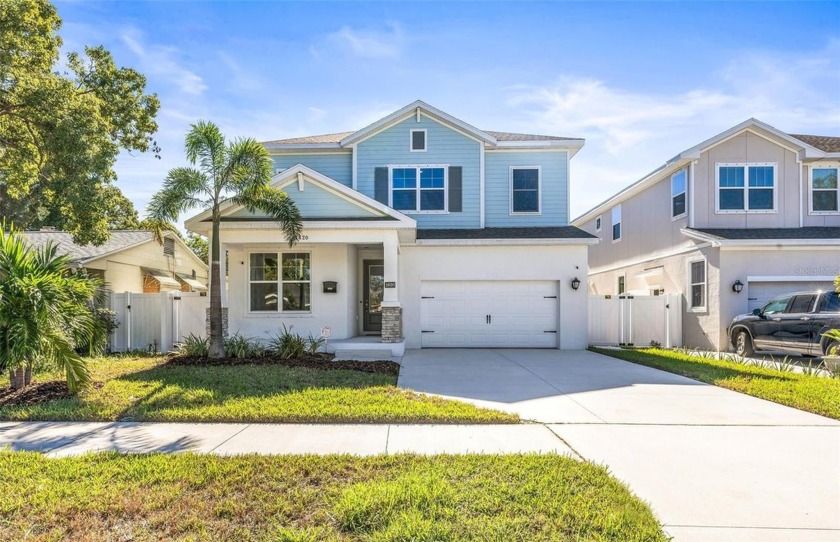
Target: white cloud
x,y
163,61
240,79
316,114
369,43
629,133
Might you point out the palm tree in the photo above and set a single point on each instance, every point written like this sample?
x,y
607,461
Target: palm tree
x,y
45,312
239,172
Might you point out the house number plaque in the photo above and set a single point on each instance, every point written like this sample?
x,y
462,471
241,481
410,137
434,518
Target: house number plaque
x,y
390,284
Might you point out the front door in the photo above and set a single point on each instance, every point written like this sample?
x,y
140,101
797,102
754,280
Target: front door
x,y
374,289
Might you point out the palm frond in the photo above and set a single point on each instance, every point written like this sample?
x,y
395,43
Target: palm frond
x,y
181,191
278,205
249,166
205,146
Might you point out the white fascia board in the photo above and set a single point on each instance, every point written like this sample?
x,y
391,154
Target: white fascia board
x,y
409,110
571,146
322,225
301,146
695,151
716,241
503,242
789,278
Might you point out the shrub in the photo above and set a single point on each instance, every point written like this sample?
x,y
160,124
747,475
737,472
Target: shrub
x,y
241,347
314,344
104,324
194,346
287,344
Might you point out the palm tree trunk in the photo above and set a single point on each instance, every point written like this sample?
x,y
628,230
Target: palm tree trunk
x,y
217,346
16,378
27,376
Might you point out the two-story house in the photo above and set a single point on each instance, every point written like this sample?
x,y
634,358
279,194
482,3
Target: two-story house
x,y
420,229
730,223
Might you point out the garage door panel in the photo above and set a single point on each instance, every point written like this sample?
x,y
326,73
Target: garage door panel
x,y
760,293
454,313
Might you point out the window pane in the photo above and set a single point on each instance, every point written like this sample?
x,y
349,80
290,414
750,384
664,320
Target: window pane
x,y
731,199
404,178
264,296
431,200
616,214
525,179
698,295
431,177
831,302
777,305
525,201
802,303
698,272
678,206
296,266
731,176
405,200
263,266
418,141
678,183
616,231
761,198
825,178
598,223
761,176
825,200
296,296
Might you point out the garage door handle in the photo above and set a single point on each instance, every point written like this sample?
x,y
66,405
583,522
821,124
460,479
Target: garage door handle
x,y
427,297
549,297
426,331
555,331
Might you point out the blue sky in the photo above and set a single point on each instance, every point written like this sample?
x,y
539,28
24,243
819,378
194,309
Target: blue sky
x,y
640,81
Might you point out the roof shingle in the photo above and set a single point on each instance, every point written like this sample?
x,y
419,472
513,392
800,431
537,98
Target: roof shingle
x,y
337,137
772,233
119,240
823,143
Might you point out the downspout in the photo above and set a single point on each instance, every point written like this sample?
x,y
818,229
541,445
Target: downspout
x,y
481,185
355,166
691,194
801,208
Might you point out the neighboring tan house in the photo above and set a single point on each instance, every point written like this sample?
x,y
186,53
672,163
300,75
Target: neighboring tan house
x,y
419,230
132,260
752,209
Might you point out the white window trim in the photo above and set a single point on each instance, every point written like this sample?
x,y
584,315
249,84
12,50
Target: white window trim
x,y
411,140
598,223
279,282
746,210
620,223
705,307
811,210
538,212
685,191
418,167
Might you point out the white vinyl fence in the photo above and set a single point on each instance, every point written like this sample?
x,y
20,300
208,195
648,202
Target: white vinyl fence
x,y
157,321
635,320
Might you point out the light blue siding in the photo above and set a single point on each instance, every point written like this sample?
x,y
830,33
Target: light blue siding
x,y
315,202
554,184
336,166
445,146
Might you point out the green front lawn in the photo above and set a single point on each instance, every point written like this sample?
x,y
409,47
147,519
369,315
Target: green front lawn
x,y
147,389
310,498
820,395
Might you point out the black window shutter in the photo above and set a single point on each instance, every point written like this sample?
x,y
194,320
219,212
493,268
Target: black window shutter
x,y
455,200
380,185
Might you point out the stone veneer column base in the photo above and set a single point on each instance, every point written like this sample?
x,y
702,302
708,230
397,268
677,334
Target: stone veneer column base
x,y
391,324
224,322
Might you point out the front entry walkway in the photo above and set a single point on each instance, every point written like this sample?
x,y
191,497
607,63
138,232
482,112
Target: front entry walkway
x,y
714,464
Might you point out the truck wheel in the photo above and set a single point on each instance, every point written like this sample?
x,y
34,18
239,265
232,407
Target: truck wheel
x,y
743,344
832,346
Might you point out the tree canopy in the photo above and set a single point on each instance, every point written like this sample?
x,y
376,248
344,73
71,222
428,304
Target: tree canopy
x,y
61,131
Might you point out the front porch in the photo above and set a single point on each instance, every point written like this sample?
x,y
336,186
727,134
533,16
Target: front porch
x,y
366,348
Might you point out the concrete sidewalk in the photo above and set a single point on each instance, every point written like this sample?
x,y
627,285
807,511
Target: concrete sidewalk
x,y
59,439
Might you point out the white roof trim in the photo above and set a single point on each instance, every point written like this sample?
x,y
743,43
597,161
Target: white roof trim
x,y
716,241
501,242
301,146
290,175
412,109
694,152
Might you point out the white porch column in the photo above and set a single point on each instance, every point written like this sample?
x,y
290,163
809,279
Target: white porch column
x,y
223,274
391,310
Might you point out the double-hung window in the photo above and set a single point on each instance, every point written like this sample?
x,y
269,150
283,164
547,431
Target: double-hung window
x,y
746,188
616,223
825,193
697,285
418,188
678,194
524,190
279,282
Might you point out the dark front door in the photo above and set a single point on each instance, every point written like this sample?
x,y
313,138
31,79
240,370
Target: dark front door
x,y
374,271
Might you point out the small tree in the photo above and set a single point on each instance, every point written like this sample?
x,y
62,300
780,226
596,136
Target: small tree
x,y
238,171
45,312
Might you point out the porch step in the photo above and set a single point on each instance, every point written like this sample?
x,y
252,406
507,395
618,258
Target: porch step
x,y
367,354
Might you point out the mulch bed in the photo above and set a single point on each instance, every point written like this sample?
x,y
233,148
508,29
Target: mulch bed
x,y
34,394
322,362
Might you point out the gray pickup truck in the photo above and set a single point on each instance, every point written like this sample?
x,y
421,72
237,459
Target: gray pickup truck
x,y
792,323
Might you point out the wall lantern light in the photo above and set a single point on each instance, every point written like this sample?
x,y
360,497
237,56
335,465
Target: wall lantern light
x,y
575,283
738,286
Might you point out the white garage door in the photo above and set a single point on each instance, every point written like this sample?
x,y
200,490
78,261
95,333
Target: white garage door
x,y
517,314
762,292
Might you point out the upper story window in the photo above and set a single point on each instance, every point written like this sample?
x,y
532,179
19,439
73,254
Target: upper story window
x,y
746,188
825,195
419,189
417,140
279,281
678,194
598,224
616,223
525,190
697,284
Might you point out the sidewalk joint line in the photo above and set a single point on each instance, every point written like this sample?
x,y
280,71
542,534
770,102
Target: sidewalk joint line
x,y
564,441
228,439
387,438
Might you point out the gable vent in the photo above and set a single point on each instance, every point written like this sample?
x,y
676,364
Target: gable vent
x,y
169,246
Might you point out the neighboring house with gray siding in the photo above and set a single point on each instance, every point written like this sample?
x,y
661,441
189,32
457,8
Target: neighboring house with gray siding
x,y
420,230
752,205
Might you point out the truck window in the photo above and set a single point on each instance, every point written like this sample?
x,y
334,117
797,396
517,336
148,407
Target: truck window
x,y
831,302
802,303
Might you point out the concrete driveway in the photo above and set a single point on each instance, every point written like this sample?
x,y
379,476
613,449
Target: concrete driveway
x,y
714,464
